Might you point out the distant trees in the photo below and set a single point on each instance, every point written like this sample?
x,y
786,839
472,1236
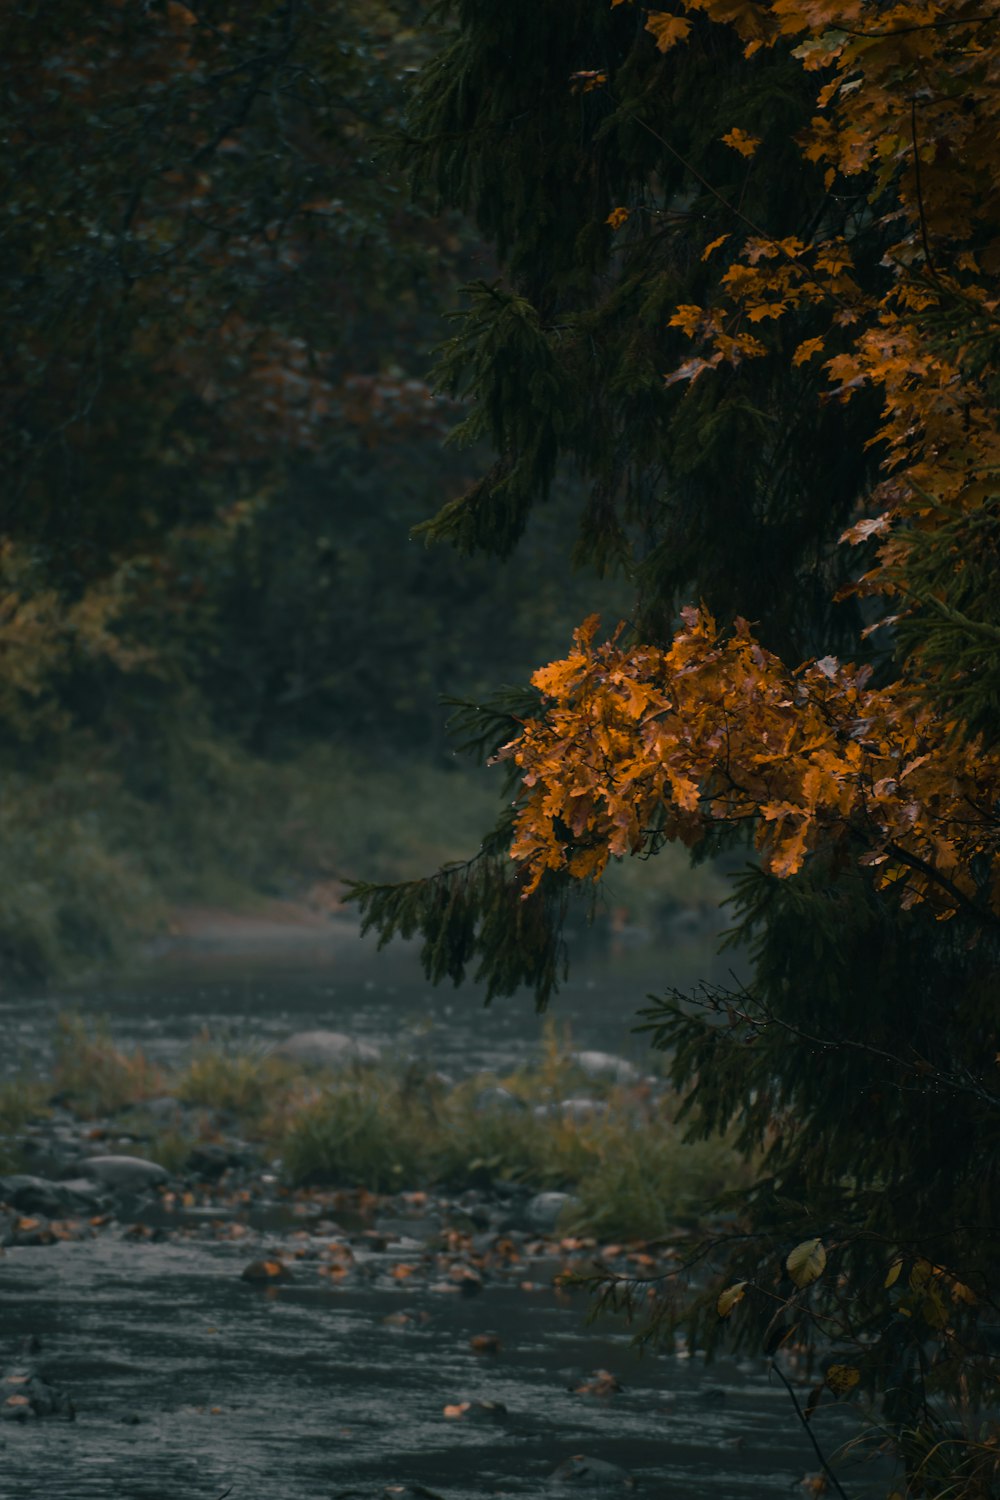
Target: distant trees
x,y
749,261
218,306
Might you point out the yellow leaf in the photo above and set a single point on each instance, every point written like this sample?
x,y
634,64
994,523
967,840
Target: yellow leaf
x,y
667,30
688,316
842,1378
892,1275
740,141
617,217
806,350
730,1298
806,1262
714,245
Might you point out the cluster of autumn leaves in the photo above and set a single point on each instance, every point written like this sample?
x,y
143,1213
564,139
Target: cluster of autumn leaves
x,y
638,743
642,743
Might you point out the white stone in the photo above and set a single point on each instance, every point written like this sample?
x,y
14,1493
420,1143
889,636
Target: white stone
x,y
129,1174
327,1049
605,1065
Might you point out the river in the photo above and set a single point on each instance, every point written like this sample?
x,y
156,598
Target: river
x,y
189,1382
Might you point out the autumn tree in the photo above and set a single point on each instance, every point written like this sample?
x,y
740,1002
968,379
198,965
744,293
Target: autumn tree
x,y
749,256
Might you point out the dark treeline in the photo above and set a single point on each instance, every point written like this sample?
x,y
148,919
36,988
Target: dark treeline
x,y
221,307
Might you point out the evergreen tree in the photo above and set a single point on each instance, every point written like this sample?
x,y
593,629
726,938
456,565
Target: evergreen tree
x,y
857,1067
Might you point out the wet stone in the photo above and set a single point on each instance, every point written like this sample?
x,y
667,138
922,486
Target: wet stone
x,y
606,1067
328,1049
544,1210
591,1474
124,1174
39,1195
25,1396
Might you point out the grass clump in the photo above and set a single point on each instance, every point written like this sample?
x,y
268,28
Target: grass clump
x,y
642,1183
95,1076
631,1174
364,1132
247,1083
629,1170
21,1100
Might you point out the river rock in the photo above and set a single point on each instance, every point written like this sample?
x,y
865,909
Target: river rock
x,y
328,1049
544,1210
606,1067
25,1395
123,1174
591,1474
38,1195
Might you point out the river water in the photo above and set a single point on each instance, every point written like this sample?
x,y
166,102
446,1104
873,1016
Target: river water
x,y
189,1382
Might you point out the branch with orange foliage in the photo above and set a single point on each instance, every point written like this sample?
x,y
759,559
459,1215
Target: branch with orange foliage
x,y
638,745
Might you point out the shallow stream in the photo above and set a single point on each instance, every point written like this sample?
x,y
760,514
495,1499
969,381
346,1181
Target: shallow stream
x,y
189,1382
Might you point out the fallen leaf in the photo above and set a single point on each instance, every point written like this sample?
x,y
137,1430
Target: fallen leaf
x,y
266,1271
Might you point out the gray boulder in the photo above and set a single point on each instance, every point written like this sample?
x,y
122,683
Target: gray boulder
x,y
328,1049
123,1174
54,1200
544,1210
606,1067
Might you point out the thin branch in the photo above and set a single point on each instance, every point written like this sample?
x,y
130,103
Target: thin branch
x,y
808,1430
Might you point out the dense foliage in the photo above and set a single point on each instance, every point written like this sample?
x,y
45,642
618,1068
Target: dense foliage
x,y
218,315
749,260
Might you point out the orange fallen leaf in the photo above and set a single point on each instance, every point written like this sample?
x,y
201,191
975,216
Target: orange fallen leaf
x,y
266,1270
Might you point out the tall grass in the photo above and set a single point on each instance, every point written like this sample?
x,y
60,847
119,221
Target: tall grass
x,y
21,1100
628,1170
95,1076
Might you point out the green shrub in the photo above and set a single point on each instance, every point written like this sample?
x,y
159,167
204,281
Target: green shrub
x,y
246,1083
